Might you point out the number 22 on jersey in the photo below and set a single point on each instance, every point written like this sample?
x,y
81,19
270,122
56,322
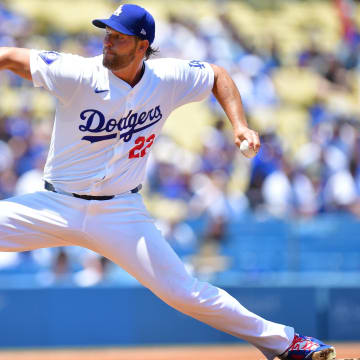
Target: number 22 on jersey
x,y
142,144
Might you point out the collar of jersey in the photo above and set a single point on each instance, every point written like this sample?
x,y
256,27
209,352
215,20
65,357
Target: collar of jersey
x,y
123,84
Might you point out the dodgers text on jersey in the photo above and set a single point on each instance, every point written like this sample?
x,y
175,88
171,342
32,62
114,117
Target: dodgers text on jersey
x,y
95,122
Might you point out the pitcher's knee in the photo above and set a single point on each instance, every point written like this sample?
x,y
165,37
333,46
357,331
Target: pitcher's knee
x,y
3,228
193,296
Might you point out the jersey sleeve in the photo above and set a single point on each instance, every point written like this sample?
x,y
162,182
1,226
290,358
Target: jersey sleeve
x,y
58,73
194,81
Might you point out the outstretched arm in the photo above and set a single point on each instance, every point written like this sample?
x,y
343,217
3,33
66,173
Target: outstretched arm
x,y
16,60
228,96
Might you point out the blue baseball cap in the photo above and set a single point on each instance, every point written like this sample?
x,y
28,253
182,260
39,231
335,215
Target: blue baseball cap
x,y
130,19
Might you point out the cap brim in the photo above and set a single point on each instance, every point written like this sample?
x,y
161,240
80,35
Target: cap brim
x,y
103,23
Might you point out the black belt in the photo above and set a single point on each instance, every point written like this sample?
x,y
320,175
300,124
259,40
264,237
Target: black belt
x,y
50,187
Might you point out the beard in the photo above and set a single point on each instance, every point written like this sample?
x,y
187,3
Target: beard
x,y
113,61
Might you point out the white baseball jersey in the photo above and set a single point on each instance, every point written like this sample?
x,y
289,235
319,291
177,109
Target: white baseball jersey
x,y
104,128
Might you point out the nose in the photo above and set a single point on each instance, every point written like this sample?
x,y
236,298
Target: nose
x,y
107,41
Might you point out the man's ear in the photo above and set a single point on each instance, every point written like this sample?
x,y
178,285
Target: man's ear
x,y
144,44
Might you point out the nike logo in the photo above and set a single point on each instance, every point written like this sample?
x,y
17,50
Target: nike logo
x,y
98,91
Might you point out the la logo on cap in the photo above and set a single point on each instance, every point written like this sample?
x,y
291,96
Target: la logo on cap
x,y
118,11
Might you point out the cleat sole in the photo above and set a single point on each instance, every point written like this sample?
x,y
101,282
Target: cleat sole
x,y
325,354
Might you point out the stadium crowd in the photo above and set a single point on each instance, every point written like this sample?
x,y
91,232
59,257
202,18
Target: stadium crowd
x,y
302,103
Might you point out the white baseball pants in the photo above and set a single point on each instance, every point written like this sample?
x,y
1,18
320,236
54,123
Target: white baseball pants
x,y
122,230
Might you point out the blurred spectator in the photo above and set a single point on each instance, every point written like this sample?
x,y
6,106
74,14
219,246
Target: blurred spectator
x,y
267,161
61,268
93,272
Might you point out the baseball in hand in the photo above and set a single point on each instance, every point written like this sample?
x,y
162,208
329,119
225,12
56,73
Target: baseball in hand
x,y
246,150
